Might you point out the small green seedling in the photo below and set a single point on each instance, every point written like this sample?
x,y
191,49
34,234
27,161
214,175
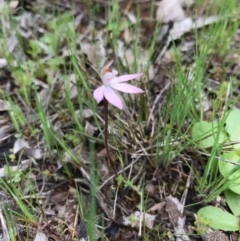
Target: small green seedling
x,y
233,200
216,218
204,135
13,176
231,171
233,129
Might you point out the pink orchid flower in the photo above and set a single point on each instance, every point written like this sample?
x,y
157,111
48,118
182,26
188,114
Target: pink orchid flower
x,y
112,84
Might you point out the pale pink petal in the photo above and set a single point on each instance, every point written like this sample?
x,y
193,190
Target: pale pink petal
x,y
126,77
127,88
115,72
108,64
98,93
106,67
113,98
107,77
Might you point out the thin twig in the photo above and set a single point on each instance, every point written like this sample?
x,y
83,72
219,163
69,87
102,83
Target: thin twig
x,y
226,99
4,228
219,158
115,203
156,101
124,169
184,195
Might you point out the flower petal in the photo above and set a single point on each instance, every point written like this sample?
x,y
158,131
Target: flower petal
x,y
126,77
113,97
105,68
108,76
107,65
98,93
127,88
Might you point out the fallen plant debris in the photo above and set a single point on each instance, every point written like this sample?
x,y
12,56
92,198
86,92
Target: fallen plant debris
x,y
173,151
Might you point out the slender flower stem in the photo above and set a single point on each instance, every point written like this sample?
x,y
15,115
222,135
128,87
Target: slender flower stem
x,y
105,103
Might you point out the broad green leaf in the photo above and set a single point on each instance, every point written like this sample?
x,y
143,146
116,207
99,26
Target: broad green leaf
x,y
233,126
216,218
233,201
206,134
231,171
